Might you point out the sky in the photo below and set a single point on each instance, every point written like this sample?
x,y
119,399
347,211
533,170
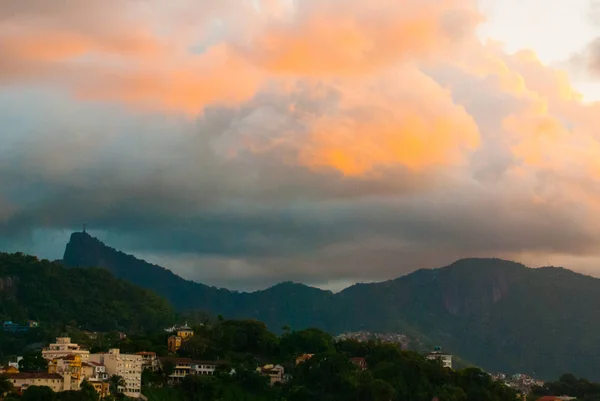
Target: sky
x,y
241,143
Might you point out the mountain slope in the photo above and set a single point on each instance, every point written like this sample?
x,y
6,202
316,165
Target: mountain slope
x,y
500,315
96,300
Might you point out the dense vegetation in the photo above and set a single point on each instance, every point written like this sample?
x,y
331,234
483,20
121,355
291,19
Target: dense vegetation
x,y
90,298
499,315
392,374
568,385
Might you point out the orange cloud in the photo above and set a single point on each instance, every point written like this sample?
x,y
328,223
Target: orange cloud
x,y
413,123
359,37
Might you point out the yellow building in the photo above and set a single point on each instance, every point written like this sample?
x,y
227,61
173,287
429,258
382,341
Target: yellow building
x,y
174,343
185,332
70,368
101,387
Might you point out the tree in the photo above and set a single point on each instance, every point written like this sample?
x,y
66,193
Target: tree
x,y
33,363
39,393
116,383
88,391
5,385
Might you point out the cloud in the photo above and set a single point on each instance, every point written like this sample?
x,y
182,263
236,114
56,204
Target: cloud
x,y
243,143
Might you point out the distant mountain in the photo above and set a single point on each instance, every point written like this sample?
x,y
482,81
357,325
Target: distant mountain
x,y
94,298
502,316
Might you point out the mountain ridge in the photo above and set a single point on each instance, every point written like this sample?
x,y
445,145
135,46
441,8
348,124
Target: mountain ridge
x,y
500,315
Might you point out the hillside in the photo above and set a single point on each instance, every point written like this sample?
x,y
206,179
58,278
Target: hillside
x,y
500,315
94,298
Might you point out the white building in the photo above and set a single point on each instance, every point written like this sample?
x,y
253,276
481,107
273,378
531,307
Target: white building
x,y
129,367
437,354
64,347
205,367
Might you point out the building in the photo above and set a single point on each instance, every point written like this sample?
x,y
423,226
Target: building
x,y
182,333
438,355
93,370
95,374
303,358
185,332
70,368
8,369
174,343
101,387
22,381
64,347
129,367
15,364
11,327
149,360
275,373
183,367
206,367
361,363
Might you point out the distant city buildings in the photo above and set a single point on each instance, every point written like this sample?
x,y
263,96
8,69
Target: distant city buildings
x,y
438,355
520,382
364,336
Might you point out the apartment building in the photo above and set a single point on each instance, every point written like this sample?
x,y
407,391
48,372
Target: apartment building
x,y
64,347
128,366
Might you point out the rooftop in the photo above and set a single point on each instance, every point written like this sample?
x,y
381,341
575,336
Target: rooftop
x,y
33,375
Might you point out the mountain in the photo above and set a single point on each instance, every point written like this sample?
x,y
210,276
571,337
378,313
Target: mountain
x,y
500,315
94,298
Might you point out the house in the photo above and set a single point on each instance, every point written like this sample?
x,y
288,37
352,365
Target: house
x,y
275,373
93,370
438,355
149,360
70,368
95,374
361,363
206,367
128,366
64,347
303,358
22,381
183,367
